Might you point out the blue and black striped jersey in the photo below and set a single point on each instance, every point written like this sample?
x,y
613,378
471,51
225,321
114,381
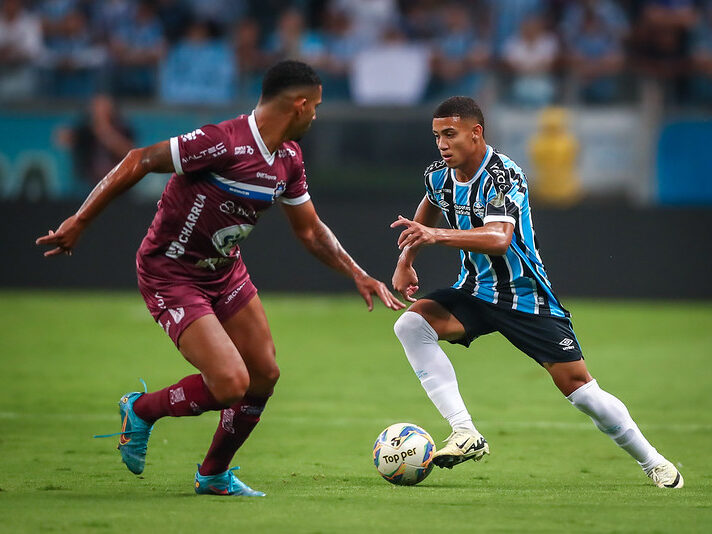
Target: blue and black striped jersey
x,y
497,192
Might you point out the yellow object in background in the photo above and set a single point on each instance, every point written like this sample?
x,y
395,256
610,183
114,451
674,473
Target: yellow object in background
x,y
553,152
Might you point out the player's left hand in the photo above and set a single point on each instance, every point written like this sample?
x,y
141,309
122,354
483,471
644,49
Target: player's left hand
x,y
367,286
64,238
415,234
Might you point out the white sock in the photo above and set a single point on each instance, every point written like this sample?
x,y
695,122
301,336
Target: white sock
x,y
433,368
611,417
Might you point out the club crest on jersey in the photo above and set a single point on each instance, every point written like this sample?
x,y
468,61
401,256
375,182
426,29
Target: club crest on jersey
x,y
479,209
279,188
226,239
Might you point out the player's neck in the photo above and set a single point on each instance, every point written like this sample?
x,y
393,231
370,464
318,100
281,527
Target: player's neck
x,y
272,126
467,170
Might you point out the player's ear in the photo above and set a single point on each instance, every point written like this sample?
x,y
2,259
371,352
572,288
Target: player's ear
x,y
300,104
476,132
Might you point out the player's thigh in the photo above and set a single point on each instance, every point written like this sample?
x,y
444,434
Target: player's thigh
x,y
445,324
208,347
250,333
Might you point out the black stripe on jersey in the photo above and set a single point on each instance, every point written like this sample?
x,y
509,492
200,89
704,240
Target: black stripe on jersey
x,y
475,222
542,292
504,278
449,197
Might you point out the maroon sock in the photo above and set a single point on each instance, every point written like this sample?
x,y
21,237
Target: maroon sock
x,y
190,396
236,423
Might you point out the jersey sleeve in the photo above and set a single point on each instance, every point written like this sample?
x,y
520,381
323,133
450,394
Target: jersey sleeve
x,y
504,198
296,190
203,148
429,190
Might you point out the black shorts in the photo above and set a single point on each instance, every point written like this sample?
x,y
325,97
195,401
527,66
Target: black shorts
x,y
543,338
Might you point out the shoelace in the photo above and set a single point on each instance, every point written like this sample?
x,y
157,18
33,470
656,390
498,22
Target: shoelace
x,y
145,390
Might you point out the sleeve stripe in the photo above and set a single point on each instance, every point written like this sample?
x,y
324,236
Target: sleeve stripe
x,y
500,218
175,155
294,201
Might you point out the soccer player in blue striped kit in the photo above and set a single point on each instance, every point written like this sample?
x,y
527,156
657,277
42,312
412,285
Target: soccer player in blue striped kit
x,y
502,287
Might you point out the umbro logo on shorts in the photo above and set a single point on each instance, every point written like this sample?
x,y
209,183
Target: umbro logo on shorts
x,y
567,344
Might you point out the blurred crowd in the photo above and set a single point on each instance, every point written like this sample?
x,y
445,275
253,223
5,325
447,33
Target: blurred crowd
x,y
525,52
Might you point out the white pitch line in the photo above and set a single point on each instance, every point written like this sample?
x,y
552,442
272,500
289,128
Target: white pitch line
x,y
343,421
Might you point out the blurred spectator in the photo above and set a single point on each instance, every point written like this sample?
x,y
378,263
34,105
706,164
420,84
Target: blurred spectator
x,y
109,17
370,19
98,141
340,49
507,16
74,60
609,13
417,19
553,151
593,33
392,71
52,13
222,13
702,57
251,60
136,49
460,56
200,69
530,56
175,16
20,47
661,42
291,40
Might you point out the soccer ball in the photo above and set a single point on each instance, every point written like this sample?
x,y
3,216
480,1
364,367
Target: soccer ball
x,y
403,453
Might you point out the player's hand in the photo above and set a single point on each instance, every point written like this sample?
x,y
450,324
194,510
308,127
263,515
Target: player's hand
x,y
64,238
415,234
405,281
367,286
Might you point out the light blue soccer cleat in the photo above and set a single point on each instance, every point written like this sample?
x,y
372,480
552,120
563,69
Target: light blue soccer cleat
x,y
133,438
223,484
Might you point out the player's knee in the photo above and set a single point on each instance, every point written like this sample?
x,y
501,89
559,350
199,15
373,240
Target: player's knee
x,y
231,387
263,381
405,325
410,326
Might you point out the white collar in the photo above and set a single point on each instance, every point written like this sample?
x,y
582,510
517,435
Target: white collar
x,y
485,160
269,157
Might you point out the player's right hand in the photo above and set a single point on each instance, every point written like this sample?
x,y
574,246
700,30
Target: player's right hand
x,y
64,238
405,281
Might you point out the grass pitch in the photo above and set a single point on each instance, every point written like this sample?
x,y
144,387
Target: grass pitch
x,y
66,358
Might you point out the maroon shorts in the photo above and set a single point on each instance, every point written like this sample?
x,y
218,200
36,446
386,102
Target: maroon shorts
x,y
175,304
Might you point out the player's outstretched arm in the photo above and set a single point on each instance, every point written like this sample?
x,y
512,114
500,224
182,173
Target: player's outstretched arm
x,y
405,279
322,243
493,238
137,164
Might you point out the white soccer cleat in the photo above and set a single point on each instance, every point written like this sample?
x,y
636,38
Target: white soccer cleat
x,y
666,475
461,446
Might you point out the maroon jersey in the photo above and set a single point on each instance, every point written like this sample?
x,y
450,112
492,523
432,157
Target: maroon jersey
x,y
225,178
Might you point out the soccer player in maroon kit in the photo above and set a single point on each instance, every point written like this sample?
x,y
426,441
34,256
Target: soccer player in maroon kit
x,y
191,274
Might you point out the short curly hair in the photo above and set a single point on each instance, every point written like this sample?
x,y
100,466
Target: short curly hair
x,y
460,106
287,74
